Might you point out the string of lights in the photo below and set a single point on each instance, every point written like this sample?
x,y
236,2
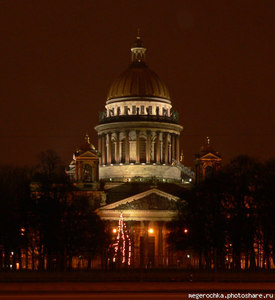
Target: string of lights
x,y
123,245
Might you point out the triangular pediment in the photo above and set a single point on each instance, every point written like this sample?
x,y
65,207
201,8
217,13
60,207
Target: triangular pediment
x,y
153,199
88,154
210,156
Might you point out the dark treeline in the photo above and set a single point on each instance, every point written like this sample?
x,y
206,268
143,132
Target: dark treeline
x,y
230,217
43,223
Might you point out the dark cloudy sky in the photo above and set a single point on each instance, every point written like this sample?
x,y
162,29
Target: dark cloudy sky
x,y
58,59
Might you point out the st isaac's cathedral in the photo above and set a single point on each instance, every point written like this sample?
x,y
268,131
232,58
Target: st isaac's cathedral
x,y
136,174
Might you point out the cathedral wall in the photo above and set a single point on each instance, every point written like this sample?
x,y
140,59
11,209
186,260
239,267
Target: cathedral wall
x,y
127,172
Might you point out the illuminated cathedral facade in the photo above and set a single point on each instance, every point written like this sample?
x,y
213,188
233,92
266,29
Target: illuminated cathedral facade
x,y
138,164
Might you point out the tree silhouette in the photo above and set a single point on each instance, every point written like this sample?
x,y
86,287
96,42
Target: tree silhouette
x,y
228,215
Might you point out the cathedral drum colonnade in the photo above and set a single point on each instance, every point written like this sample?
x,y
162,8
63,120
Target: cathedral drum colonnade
x,y
138,133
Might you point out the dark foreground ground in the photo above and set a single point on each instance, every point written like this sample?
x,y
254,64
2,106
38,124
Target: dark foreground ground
x,y
138,290
138,275
142,284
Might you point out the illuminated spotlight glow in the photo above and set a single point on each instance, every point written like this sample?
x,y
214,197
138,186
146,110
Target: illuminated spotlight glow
x,y
185,230
151,230
114,230
190,180
188,255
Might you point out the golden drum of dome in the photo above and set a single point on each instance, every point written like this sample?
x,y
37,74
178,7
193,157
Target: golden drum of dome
x,y
138,81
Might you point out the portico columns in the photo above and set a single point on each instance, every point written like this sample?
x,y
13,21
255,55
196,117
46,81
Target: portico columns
x,y
160,243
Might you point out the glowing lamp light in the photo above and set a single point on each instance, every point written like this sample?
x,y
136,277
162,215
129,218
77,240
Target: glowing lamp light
x,y
22,231
185,230
151,230
114,230
188,255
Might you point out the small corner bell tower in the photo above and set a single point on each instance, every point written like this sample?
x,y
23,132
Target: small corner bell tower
x,y
84,168
207,162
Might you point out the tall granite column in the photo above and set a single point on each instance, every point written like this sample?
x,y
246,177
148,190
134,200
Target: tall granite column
x,y
99,148
109,148
178,148
137,147
166,151
117,148
157,148
148,147
127,148
103,148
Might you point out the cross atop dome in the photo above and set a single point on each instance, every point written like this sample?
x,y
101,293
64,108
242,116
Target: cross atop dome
x,y
87,138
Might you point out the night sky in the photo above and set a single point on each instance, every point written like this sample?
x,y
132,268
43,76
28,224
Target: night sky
x,y
59,58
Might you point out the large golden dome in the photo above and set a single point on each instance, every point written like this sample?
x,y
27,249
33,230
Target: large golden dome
x,y
138,80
